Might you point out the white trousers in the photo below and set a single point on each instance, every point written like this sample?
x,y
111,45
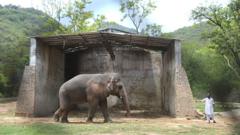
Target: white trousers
x,y
210,117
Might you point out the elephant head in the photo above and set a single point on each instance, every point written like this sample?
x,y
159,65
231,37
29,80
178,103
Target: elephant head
x,y
116,87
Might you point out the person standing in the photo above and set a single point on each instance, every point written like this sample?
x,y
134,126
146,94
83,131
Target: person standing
x,y
209,110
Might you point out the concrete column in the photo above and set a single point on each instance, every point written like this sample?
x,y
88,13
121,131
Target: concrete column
x,y
32,61
26,93
178,99
184,103
49,78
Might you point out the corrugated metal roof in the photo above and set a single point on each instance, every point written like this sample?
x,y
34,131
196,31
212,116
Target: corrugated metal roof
x,y
93,39
116,27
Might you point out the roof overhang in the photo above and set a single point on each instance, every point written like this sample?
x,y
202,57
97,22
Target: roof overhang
x,y
95,39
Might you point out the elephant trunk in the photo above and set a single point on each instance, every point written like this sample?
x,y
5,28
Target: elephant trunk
x,y
125,101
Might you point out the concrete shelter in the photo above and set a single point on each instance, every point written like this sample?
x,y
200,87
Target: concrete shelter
x,y
150,67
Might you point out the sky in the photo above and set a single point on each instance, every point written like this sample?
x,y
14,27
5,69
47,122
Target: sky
x,y
170,14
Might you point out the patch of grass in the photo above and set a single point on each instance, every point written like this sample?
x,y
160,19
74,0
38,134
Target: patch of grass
x,y
237,129
111,128
6,100
218,107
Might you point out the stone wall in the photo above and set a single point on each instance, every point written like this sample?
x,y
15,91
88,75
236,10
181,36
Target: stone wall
x,y
25,100
139,68
184,98
49,77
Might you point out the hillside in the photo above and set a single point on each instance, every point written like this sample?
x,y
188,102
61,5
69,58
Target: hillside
x,y
193,34
21,21
16,26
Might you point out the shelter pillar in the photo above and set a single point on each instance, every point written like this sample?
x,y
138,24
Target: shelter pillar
x,y
49,78
178,99
26,94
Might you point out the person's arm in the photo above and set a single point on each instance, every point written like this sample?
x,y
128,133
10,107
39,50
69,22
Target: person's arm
x,y
213,102
203,100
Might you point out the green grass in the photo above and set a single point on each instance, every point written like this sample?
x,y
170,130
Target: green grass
x,y
6,100
111,128
218,107
237,129
131,127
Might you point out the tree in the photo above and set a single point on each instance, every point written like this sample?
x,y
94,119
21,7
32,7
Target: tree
x,y
225,36
154,30
137,11
79,18
54,10
75,17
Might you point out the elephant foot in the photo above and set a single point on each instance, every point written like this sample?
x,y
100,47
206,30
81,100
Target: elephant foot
x,y
127,114
56,118
64,120
89,121
108,121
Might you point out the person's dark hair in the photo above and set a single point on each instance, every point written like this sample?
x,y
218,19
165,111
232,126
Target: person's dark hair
x,y
209,96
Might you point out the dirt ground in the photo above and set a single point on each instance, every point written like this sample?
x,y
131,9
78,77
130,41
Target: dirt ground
x,y
224,124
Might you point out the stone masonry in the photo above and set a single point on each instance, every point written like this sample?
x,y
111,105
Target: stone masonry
x,y
25,104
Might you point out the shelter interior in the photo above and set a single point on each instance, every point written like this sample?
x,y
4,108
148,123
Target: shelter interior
x,y
148,65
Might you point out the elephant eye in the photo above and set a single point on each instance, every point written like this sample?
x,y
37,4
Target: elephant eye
x,y
120,87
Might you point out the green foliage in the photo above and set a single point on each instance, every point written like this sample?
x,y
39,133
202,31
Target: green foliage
x,y
54,9
225,36
137,11
154,30
77,18
237,128
207,70
81,20
16,24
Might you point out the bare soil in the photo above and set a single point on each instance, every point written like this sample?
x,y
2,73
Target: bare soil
x,y
224,124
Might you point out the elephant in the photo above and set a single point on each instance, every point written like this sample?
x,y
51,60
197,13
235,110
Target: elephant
x,y
93,89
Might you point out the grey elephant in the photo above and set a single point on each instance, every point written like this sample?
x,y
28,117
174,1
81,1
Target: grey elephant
x,y
93,89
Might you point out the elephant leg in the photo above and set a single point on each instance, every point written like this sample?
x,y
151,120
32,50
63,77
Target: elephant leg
x,y
92,111
64,118
57,115
104,109
65,107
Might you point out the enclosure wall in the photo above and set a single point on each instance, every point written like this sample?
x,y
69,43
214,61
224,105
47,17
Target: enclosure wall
x,y
139,68
49,77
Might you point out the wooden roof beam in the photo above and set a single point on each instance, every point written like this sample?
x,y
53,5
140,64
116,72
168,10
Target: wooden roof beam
x,y
107,46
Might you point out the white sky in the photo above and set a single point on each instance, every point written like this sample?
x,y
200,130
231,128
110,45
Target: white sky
x,y
171,14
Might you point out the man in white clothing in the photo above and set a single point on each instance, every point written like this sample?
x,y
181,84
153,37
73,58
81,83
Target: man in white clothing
x,y
209,112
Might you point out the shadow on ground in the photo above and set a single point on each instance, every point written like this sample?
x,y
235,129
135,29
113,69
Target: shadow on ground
x,y
119,113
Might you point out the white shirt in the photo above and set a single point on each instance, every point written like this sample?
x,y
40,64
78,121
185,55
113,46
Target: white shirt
x,y
209,106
